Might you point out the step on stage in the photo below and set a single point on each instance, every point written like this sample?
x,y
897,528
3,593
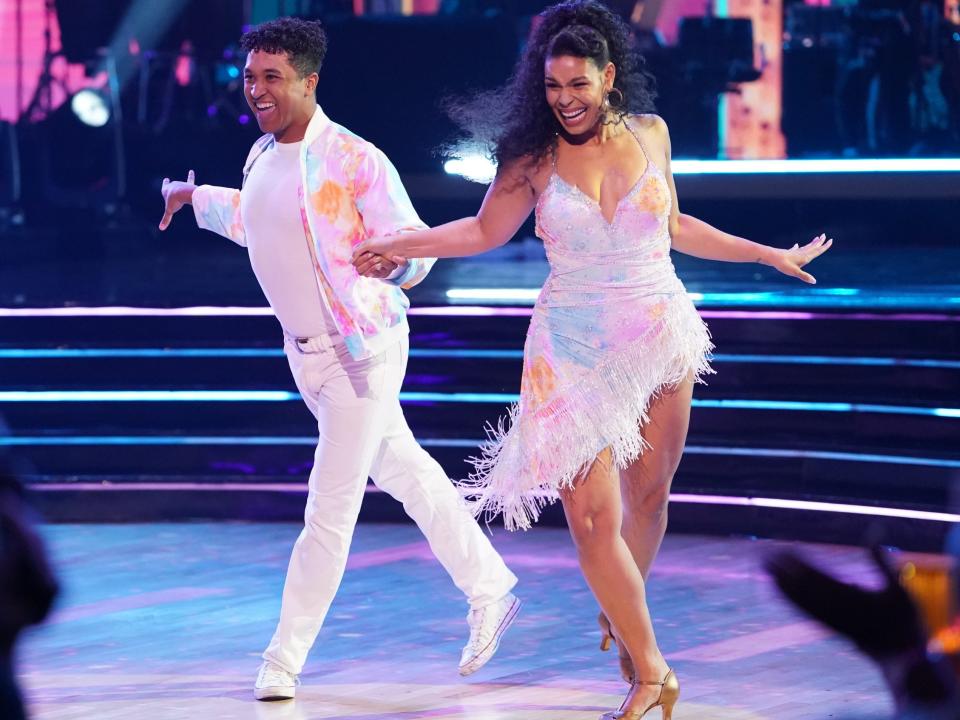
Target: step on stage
x,y
819,424
167,621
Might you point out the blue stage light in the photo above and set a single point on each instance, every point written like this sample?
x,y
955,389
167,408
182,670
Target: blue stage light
x,y
308,440
457,353
49,396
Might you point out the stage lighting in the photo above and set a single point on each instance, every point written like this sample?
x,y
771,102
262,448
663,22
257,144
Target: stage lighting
x,y
77,154
472,166
91,108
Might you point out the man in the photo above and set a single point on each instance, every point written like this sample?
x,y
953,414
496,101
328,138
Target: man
x,y
312,190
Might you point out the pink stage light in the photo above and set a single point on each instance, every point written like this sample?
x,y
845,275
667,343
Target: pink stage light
x,y
815,506
455,311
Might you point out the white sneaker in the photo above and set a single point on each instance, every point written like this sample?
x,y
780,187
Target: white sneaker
x,y
275,683
487,626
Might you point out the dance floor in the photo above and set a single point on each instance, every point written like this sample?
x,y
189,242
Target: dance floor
x,y
166,621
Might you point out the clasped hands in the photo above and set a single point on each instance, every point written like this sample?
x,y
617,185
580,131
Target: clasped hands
x,y
372,258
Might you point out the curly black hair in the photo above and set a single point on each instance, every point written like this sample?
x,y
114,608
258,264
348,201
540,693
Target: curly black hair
x,y
514,121
304,42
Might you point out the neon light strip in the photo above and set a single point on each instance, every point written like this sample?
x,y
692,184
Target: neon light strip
x,y
471,311
57,353
72,396
750,315
147,440
690,499
124,311
805,298
494,294
795,315
814,506
805,167
148,396
836,360
177,440
460,397
229,311
458,311
43,353
736,404
37,396
822,298
821,455
480,169
825,407
175,486
287,440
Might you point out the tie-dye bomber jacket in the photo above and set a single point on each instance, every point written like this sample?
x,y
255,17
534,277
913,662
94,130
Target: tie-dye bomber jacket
x,y
349,191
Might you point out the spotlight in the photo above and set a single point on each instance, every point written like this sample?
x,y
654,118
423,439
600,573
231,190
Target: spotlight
x,y
91,108
80,153
472,166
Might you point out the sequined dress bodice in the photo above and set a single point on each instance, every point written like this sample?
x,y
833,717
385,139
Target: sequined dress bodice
x,y
610,281
593,261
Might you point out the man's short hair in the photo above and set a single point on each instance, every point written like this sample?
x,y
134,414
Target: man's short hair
x,y
304,42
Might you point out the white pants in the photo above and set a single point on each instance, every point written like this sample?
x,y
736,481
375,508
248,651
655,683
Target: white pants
x,y
363,433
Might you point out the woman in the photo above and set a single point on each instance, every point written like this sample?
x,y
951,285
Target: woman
x,y
615,344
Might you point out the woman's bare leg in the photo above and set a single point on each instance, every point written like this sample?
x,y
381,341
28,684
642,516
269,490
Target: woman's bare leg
x,y
645,488
594,512
645,485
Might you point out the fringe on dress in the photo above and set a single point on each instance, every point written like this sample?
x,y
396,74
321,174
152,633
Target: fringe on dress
x,y
538,450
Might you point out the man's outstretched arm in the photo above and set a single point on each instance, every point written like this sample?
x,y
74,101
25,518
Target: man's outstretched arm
x,y
215,208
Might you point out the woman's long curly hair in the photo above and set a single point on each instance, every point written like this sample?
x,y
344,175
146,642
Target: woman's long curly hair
x,y
514,121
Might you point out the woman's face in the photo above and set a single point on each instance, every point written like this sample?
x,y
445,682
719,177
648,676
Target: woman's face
x,y
576,89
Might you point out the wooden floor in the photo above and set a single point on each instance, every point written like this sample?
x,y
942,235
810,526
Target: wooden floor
x,y
164,622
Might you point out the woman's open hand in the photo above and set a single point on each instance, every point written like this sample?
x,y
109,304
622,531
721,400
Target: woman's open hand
x,y
791,262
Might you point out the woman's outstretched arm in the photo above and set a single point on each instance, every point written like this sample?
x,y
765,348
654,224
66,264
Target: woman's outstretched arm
x,y
695,237
507,204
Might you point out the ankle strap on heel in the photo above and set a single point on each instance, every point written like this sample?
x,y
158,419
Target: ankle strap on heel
x,y
655,682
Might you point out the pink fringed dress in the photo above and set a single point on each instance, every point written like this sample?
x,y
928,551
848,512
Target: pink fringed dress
x,y
613,326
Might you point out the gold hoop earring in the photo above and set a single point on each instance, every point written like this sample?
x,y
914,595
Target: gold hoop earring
x,y
612,113
618,103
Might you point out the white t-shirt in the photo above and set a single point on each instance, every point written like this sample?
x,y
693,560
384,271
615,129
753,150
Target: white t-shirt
x,y
277,244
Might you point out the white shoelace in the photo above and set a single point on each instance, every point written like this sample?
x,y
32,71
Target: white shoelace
x,y
273,676
482,628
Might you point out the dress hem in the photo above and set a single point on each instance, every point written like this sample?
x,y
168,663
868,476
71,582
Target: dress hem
x,y
534,453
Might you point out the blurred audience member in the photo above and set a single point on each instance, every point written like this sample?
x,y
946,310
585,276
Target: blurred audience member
x,y
27,585
884,624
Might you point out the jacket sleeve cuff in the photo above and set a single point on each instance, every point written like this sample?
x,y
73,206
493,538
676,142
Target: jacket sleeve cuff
x,y
402,275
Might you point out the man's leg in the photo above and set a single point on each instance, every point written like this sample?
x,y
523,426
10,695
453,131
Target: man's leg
x,y
407,472
347,398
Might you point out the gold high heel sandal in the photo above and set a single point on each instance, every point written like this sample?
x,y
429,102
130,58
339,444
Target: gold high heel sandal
x,y
669,693
606,637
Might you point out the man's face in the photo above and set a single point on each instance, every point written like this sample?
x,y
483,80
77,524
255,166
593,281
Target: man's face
x,y
279,98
